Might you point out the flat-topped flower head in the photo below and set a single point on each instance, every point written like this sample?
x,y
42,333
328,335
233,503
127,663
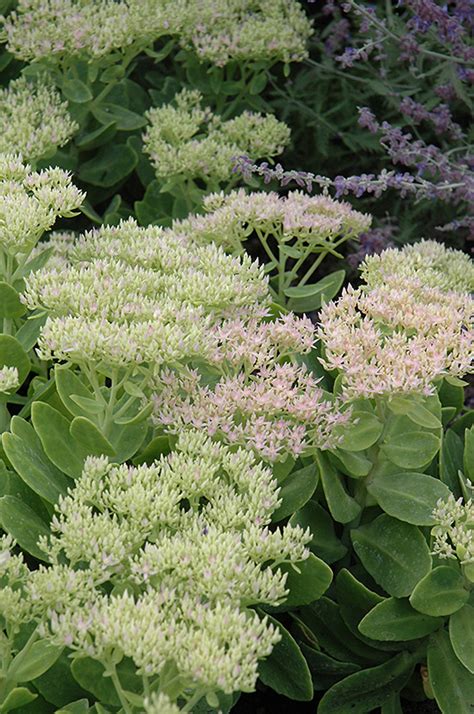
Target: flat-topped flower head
x,y
258,30
89,29
30,203
454,530
309,220
185,546
34,121
396,338
9,379
133,296
258,402
432,263
186,139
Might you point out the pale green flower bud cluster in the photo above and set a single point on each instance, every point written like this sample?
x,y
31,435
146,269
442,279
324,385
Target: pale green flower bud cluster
x,y
186,544
132,296
454,530
186,139
266,30
398,336
230,219
14,607
30,203
34,121
59,245
39,29
431,263
160,704
9,379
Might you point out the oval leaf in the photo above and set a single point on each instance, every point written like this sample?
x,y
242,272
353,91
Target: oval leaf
x,y
452,684
440,592
410,497
306,586
362,432
296,491
53,430
411,450
90,437
12,354
394,553
22,523
461,634
10,303
396,620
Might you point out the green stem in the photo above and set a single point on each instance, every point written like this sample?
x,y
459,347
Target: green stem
x,y
118,688
198,694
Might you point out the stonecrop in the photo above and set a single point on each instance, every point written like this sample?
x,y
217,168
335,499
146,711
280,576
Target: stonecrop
x,y
8,378
454,530
34,121
397,337
259,401
186,139
30,203
248,30
256,30
150,301
309,221
431,263
185,545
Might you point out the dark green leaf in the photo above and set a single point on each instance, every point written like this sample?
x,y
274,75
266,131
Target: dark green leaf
x,y
343,507
296,491
10,303
124,119
440,592
396,620
452,684
324,542
361,432
12,354
309,297
394,553
23,524
111,164
461,634
76,91
411,450
286,670
17,698
306,586
410,497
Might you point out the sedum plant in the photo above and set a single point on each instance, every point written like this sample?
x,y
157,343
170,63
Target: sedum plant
x,y
34,121
188,143
157,567
295,231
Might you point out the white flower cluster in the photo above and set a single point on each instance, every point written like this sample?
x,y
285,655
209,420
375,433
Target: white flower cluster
x,y
309,221
217,30
400,334
454,530
136,296
9,379
186,544
34,121
30,203
430,263
186,139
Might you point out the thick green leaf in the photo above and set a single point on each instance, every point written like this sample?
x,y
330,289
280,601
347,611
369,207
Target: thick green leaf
x,y
57,685
88,404
452,684
96,138
90,438
35,661
286,670
351,463
361,432
396,620
124,119
306,586
343,507
410,497
469,453
451,461
81,706
89,674
326,670
354,598
414,408
31,463
60,447
324,620
309,297
17,698
29,332
110,165
411,450
440,592
461,634
68,383
76,91
12,354
157,447
362,692
324,542
296,491
23,524
394,553
10,303
126,439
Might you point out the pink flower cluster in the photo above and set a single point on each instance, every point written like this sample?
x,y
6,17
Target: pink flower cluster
x,y
396,338
254,397
276,410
